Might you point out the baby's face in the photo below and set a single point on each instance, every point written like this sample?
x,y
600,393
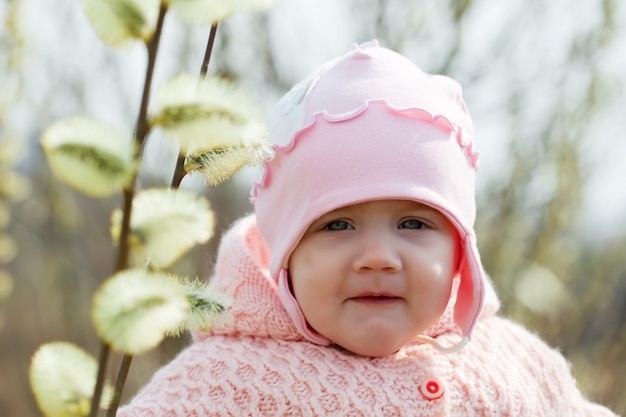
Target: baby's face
x,y
372,276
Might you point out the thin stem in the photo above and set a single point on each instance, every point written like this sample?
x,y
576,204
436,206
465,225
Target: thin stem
x,y
153,47
142,128
119,385
179,171
102,366
123,244
209,50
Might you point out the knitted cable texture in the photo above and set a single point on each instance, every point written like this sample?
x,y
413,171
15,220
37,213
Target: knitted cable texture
x,y
261,366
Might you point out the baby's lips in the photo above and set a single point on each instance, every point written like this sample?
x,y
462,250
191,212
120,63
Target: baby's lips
x,y
375,298
376,294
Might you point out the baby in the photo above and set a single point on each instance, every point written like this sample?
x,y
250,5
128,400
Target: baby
x,y
357,283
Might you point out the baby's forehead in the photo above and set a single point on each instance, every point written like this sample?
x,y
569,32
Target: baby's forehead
x,y
382,208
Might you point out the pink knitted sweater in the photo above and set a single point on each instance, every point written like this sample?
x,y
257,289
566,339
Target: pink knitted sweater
x,y
261,366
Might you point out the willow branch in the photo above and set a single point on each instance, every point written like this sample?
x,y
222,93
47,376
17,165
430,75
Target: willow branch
x,y
142,128
103,360
209,50
179,171
120,381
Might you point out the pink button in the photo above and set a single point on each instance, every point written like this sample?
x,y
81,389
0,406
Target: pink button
x,y
432,389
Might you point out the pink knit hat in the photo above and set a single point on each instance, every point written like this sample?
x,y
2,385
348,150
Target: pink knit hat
x,y
370,125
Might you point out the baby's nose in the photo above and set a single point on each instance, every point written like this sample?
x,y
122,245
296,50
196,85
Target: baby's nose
x,y
376,251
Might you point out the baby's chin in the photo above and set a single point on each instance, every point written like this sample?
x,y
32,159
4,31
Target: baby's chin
x,y
377,351
374,343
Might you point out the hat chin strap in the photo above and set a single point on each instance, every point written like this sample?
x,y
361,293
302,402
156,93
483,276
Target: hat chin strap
x,y
443,349
295,313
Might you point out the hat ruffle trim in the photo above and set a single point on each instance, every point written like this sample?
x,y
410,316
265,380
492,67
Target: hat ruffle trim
x,y
420,114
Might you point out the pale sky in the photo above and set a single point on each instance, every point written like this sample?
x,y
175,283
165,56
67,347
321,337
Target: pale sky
x,y
303,35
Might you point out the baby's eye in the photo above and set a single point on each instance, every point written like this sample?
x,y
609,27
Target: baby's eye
x,y
412,224
338,225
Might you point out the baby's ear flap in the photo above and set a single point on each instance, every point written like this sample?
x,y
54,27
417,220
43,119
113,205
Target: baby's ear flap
x,y
471,292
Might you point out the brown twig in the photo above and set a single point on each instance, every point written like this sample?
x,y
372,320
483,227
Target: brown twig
x,y
120,381
102,367
179,171
142,128
209,50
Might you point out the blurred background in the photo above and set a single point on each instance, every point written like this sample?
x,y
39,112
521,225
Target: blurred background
x,y
546,85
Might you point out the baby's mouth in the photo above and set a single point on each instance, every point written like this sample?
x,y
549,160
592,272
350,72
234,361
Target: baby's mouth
x,y
375,299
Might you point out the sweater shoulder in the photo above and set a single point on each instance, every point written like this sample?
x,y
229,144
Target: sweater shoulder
x,y
507,366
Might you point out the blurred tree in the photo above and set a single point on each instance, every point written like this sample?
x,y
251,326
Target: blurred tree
x,y
13,186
